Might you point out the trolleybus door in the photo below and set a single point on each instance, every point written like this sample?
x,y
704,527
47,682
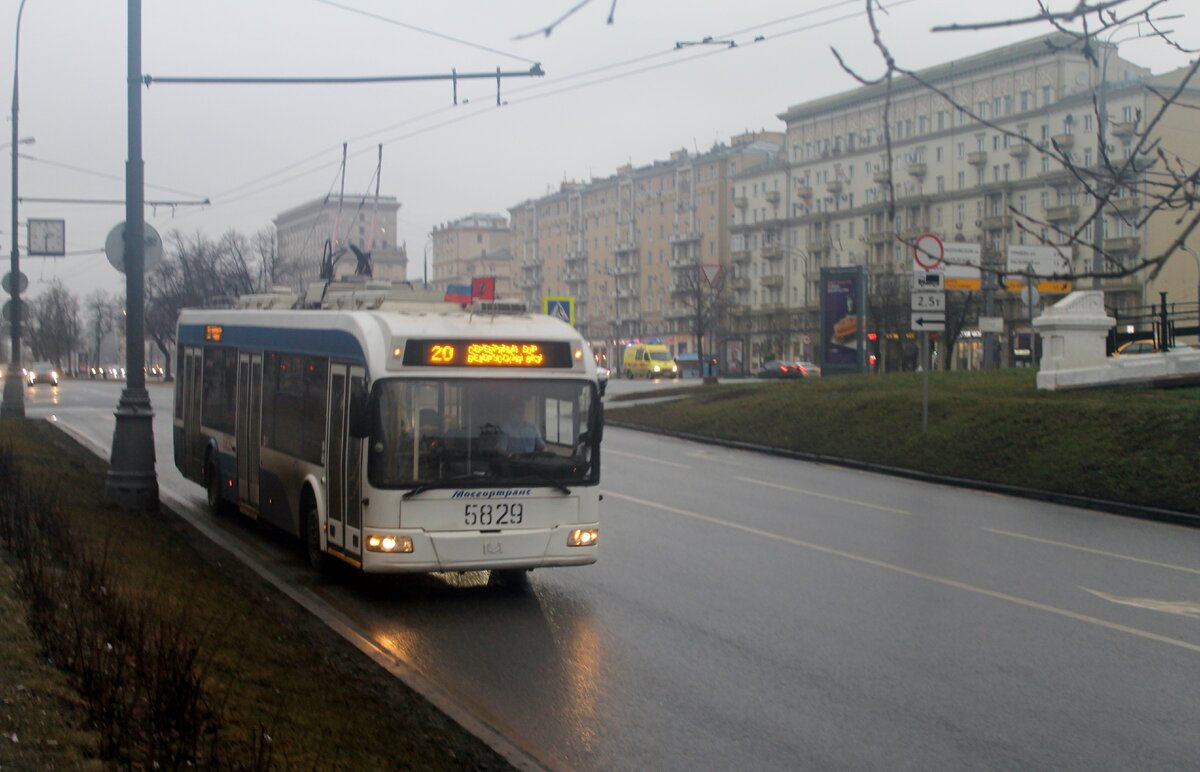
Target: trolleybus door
x,y
343,463
193,362
249,429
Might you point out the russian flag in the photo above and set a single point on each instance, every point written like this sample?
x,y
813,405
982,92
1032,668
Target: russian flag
x,y
458,293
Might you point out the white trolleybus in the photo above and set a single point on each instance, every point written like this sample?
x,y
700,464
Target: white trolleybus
x,y
397,434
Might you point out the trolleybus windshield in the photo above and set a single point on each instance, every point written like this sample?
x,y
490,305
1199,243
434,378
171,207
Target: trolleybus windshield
x,y
462,432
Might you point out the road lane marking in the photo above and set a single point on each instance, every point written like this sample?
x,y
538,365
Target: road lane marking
x,y
824,496
719,458
941,580
1181,607
1093,551
646,458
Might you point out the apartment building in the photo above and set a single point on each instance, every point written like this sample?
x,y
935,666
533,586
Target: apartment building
x,y
369,224
976,156
972,159
629,247
474,246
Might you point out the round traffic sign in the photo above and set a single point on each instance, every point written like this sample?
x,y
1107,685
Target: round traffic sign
x,y
22,282
928,251
8,310
114,247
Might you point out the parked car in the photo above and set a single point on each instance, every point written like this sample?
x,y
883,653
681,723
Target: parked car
x,y
778,368
41,372
1140,346
602,374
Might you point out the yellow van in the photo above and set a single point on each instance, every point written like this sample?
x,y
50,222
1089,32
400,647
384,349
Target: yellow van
x,y
649,360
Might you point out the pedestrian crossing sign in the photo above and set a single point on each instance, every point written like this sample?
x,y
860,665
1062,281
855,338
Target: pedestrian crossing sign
x,y
561,308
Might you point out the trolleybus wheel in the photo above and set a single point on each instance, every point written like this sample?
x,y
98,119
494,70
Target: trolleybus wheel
x,y
318,559
212,486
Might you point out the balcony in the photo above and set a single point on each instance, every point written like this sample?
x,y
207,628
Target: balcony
x,y
1125,245
1126,204
1062,214
622,247
625,292
772,251
680,261
530,262
625,270
834,186
684,238
917,170
998,223
1064,141
883,177
739,283
1019,151
878,237
574,277
740,255
804,191
741,202
772,196
775,280
771,307
1123,129
679,312
912,234
575,255
978,158
819,243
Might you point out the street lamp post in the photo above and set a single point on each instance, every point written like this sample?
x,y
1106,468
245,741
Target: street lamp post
x,y
13,405
131,482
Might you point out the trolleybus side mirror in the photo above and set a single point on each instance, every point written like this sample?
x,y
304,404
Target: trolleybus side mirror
x,y
360,424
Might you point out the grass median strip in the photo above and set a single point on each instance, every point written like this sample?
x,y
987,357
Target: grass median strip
x,y
130,641
1134,445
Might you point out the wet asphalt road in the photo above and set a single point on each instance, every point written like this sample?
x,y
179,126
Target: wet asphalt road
x,y
752,612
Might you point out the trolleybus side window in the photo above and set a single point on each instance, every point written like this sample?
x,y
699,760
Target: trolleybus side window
x,y
294,392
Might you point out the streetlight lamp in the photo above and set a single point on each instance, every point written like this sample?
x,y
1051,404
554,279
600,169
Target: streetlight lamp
x,y
13,405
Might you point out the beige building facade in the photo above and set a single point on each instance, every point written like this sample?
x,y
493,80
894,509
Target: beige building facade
x,y
976,156
629,248
302,232
475,246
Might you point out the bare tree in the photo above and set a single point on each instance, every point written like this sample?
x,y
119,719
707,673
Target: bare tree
x,y
100,311
54,327
1171,183
198,271
705,301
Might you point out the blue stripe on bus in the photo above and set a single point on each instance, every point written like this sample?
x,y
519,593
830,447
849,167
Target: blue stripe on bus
x,y
330,343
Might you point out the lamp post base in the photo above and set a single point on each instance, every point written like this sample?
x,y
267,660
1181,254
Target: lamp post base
x,y
132,483
14,394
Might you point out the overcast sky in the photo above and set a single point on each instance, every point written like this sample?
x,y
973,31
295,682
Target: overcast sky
x,y
258,150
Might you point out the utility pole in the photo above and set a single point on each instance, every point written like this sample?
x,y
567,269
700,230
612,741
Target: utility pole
x,y
13,405
131,482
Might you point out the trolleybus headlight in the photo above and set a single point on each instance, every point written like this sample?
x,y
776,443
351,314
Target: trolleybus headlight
x,y
583,537
376,543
